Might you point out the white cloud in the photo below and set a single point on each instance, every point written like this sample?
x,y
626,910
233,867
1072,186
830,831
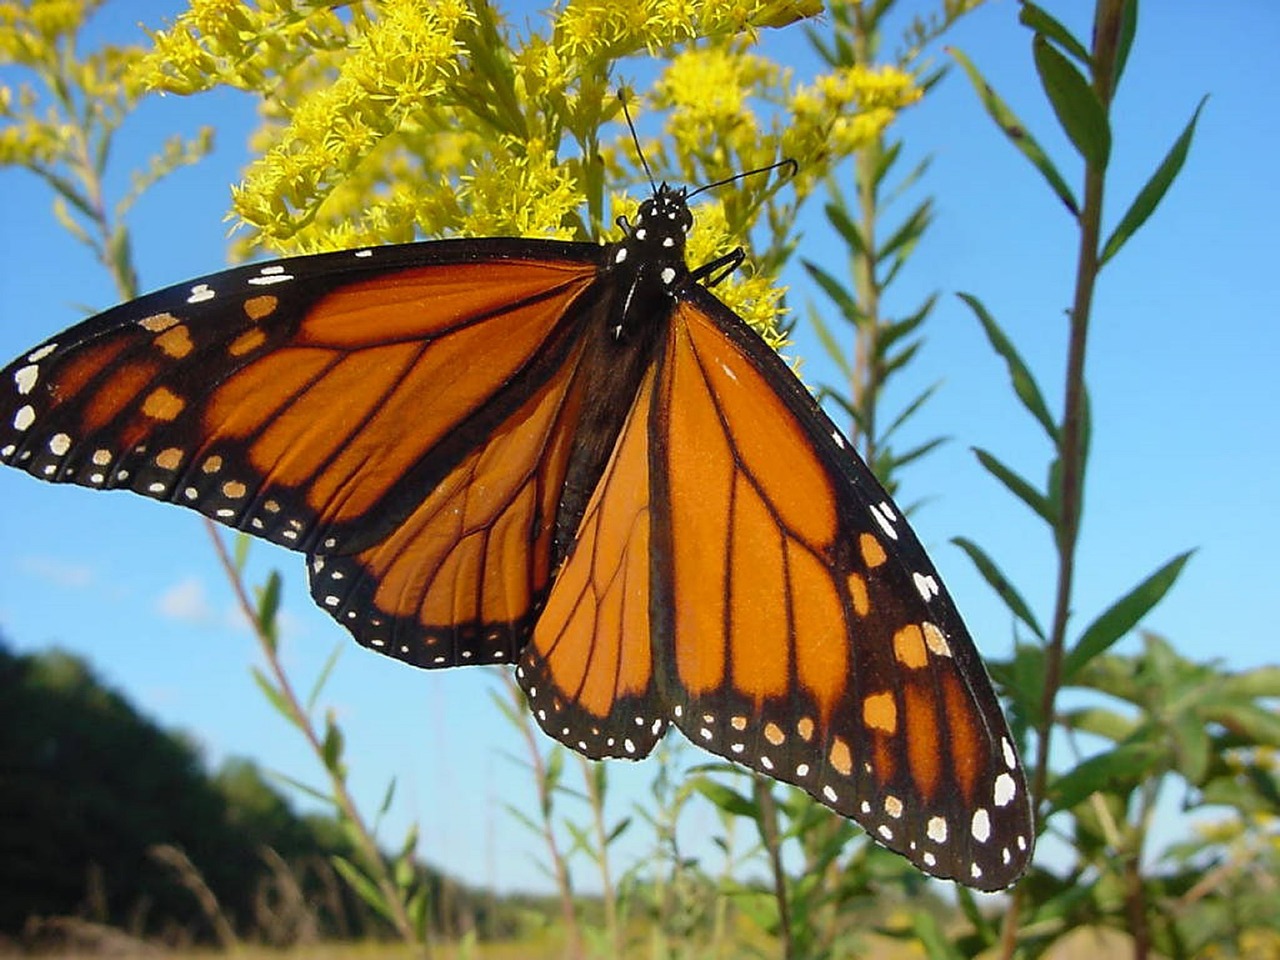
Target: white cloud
x,y
61,573
186,601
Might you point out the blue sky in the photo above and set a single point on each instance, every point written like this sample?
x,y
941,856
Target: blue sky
x,y
1183,358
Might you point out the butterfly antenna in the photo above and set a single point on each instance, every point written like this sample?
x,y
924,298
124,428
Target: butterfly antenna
x,y
622,96
793,169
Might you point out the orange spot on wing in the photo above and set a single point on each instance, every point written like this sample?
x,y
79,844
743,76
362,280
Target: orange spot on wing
x,y
247,342
908,647
169,458
872,551
858,594
162,404
880,713
175,342
840,757
255,308
158,322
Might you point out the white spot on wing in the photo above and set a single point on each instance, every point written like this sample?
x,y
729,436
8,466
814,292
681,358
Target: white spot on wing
x,y
883,521
1006,789
59,444
936,830
981,825
200,293
1010,758
26,378
43,352
926,585
271,275
24,417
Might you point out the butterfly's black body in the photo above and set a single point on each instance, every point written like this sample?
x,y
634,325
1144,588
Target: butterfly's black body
x,y
575,458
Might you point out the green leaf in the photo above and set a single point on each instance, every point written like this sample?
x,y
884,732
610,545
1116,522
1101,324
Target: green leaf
x,y
363,887
915,453
1030,15
910,410
274,696
1024,384
885,160
936,942
1077,106
1114,771
891,333
1149,197
330,662
832,288
1019,487
830,346
1122,616
1018,135
268,608
726,798
331,747
1000,584
387,799
840,219
241,550
1192,746
1128,30
1256,724
908,232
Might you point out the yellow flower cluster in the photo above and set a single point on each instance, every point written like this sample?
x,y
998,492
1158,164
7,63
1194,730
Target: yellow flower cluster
x,y
843,111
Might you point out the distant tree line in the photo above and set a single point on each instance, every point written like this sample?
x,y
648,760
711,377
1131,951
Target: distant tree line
x,y
106,817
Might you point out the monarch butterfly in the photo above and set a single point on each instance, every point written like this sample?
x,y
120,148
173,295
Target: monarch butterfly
x,y
575,458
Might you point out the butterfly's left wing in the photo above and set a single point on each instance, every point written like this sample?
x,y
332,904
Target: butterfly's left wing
x,y
799,627
400,413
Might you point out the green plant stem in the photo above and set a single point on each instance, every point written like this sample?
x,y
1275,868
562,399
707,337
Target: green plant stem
x,y
865,385
1071,433
573,939
607,893
364,837
773,846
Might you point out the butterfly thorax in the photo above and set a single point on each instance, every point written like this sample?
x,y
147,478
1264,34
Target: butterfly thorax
x,y
645,269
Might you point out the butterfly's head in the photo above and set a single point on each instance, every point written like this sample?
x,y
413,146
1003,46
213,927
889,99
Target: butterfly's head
x,y
664,220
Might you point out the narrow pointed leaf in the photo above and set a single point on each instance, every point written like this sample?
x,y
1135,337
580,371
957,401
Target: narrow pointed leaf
x,y
1018,134
839,218
885,161
726,798
909,232
1149,197
274,697
269,607
892,332
364,888
833,289
1114,771
915,453
910,410
1075,103
1128,29
330,662
1024,385
830,345
1000,584
1039,20
1016,485
1123,615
